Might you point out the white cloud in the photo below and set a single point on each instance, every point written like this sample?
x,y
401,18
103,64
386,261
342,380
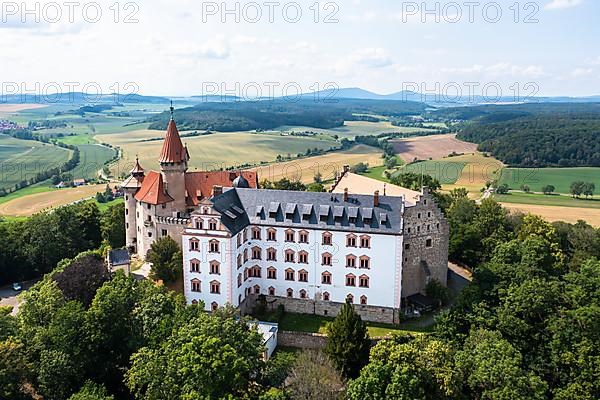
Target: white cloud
x,y
371,57
528,71
560,4
580,72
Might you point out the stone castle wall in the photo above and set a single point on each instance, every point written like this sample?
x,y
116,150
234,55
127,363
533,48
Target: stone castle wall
x,y
426,236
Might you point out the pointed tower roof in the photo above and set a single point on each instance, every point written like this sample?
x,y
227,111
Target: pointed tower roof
x,y
137,169
173,150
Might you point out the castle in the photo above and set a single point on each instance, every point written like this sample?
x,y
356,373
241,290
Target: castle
x,y
309,252
160,203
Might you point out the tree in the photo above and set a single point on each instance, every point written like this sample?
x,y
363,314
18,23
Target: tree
x,y
588,189
525,188
407,369
14,369
577,188
348,341
503,189
314,377
318,178
166,258
208,357
391,162
315,187
548,189
492,369
92,391
113,225
359,168
78,279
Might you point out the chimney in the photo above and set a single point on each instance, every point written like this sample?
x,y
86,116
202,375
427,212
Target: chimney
x,y
217,190
376,199
345,194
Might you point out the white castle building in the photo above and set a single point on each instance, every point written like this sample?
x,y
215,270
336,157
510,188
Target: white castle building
x,y
313,251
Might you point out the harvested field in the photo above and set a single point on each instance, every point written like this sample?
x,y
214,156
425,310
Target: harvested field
x,y
306,168
34,203
431,147
477,171
554,213
11,108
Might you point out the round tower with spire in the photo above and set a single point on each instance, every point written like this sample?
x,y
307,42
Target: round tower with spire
x,y
173,161
130,187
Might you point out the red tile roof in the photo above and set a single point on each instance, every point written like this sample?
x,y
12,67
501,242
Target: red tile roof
x,y
173,150
153,190
200,184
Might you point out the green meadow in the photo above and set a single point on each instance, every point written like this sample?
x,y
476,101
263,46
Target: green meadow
x,y
560,178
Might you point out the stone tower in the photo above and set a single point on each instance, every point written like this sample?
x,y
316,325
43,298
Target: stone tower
x,y
130,187
173,165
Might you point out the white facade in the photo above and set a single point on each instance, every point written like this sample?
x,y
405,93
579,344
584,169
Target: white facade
x,y
221,268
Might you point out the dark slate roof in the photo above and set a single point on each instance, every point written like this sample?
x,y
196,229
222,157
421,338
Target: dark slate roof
x,y
311,210
118,257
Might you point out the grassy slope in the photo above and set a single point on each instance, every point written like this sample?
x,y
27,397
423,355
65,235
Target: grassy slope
x,y
92,159
561,178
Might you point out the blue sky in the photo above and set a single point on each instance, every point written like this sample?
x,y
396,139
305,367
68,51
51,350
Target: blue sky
x,y
180,47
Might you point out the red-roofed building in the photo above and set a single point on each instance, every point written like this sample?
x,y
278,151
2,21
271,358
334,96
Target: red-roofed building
x,y
160,203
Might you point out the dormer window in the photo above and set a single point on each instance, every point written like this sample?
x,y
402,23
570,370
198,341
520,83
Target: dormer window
x,y
212,225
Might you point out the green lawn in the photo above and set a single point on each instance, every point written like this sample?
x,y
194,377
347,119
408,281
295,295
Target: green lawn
x,y
318,324
445,171
377,173
560,178
547,200
104,206
37,188
77,139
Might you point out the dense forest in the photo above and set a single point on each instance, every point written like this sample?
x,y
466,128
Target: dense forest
x,y
534,135
269,114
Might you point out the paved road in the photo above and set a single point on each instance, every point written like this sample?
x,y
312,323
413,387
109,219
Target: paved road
x,y
8,297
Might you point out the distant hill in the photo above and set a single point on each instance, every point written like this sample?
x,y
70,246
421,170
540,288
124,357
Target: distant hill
x,y
269,114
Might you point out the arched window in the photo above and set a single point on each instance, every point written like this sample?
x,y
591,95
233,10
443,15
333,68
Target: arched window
x,y
290,236
199,224
256,253
255,272
289,274
256,233
365,262
350,280
239,260
271,273
271,291
303,275
245,274
212,224
215,287
363,300
194,244
215,268
350,240
196,285
303,294
326,238
239,280
214,306
271,235
365,241
326,259
351,261
290,256
290,292
303,257
363,281
271,254
303,237
326,296
350,299
326,278
194,265
194,302
256,289
245,255
213,246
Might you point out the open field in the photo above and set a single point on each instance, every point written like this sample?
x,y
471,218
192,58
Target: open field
x,y
305,169
34,203
92,158
23,159
560,178
548,200
554,213
11,108
431,147
215,151
354,128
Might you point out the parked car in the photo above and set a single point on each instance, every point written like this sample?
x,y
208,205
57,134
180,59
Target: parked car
x,y
17,287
